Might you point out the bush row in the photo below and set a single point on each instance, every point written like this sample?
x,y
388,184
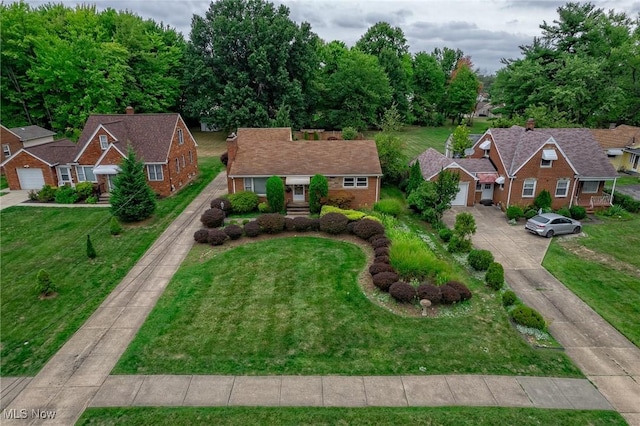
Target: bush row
x,y
516,212
65,194
521,313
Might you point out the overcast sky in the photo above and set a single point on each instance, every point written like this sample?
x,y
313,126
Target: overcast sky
x,y
487,30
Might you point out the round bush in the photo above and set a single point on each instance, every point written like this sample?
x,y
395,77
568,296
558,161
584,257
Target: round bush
x,y
66,195
578,212
494,276
314,224
381,259
224,158
445,234
381,242
288,224
514,212
333,223
271,223
402,292
564,211
349,133
480,259
213,218
377,268
263,208
449,295
430,292
383,280
463,290
509,298
367,228
530,213
350,227
301,223
84,190
524,315
201,236
222,204
233,231
389,206
382,251
244,202
216,237
377,237
252,229
458,245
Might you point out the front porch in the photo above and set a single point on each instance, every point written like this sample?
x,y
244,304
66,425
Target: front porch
x,y
592,203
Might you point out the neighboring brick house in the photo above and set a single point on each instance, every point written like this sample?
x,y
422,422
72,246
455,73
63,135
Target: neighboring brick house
x,y
162,141
568,163
477,175
14,139
257,154
621,145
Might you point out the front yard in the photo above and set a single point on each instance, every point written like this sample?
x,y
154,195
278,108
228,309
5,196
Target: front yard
x,y
54,239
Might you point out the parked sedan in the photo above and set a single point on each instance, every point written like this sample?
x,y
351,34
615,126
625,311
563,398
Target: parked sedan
x,y
550,224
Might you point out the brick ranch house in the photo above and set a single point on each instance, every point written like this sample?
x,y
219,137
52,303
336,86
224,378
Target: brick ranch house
x,y
14,139
257,154
519,162
162,141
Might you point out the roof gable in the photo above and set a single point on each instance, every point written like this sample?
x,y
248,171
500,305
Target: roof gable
x,y
432,162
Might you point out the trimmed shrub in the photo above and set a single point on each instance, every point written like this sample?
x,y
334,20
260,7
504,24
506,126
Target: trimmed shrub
x,y
514,212
350,227
430,292
340,199
480,259
389,206
275,194
350,214
509,298
224,158
527,316
367,228
445,234
381,259
252,229
402,292
333,223
381,242
222,204
314,224
349,133
318,189
377,268
216,237
91,252
458,245
494,276
564,212
92,199
264,208
543,200
114,226
288,224
530,213
84,190
381,251
271,223
233,231
44,285
212,218
47,193
301,224
244,202
449,295
463,290
578,212
201,236
383,280
66,195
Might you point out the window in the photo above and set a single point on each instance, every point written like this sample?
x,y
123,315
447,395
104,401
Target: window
x,y
355,182
257,185
529,188
183,163
190,157
562,188
154,172
590,187
6,150
85,174
486,153
104,144
546,163
478,186
177,165
180,137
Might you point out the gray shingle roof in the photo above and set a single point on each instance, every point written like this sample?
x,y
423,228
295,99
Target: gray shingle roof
x,y
432,161
60,151
28,133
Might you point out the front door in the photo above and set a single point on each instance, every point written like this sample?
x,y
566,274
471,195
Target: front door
x,y
64,175
298,193
487,191
110,182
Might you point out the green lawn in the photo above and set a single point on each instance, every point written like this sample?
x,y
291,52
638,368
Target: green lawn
x,y
605,275
294,306
433,416
54,239
624,180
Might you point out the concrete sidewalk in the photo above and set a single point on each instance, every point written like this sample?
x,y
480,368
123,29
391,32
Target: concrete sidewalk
x,y
349,391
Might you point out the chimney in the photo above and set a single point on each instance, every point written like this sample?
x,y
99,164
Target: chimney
x,y
232,148
129,110
531,123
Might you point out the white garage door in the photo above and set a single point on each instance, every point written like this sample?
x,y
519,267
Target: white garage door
x,y
461,197
30,178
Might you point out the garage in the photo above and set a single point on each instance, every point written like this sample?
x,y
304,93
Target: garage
x,y
30,178
461,197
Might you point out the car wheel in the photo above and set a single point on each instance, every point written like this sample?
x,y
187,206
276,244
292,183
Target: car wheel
x,y
577,230
549,233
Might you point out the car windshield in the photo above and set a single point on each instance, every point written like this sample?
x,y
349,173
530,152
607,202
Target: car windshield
x,y
540,219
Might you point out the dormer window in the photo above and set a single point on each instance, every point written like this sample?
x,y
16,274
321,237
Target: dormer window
x,y
104,143
548,155
180,137
486,147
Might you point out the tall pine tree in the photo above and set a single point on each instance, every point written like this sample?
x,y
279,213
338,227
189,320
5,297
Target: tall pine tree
x,y
131,198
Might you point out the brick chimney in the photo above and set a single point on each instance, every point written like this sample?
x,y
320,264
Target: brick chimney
x,y
232,148
129,110
531,124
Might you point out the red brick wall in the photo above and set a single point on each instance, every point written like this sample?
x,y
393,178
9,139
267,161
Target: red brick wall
x,y
8,138
174,180
22,159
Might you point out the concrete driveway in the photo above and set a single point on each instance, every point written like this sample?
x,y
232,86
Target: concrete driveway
x,y
604,355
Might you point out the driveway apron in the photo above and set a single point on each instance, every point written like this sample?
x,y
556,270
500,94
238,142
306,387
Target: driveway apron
x,y
605,356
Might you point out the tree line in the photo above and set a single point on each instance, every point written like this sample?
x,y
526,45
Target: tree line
x,y
246,63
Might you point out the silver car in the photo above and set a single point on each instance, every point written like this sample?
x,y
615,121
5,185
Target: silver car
x,y
550,224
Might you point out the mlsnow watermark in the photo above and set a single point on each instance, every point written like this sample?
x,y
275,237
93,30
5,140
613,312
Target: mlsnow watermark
x,y
24,414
